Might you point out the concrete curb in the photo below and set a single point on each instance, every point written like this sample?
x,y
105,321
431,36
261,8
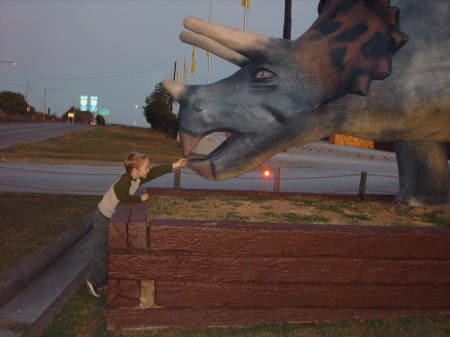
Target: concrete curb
x,y
13,280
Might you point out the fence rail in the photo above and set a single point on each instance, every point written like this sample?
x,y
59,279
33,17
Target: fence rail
x,y
275,176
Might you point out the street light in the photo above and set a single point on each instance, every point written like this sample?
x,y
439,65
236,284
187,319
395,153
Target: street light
x,y
13,63
135,106
45,97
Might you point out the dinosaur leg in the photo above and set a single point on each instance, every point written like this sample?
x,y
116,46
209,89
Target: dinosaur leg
x,y
423,173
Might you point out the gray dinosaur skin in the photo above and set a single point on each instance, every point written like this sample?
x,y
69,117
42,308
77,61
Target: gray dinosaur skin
x,y
265,116
262,121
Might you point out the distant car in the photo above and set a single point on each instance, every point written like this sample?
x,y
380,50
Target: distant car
x,y
94,123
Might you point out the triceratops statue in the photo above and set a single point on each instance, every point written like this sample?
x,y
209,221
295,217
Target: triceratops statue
x,y
290,93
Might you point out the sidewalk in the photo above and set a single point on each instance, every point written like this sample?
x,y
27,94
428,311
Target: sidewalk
x,y
36,289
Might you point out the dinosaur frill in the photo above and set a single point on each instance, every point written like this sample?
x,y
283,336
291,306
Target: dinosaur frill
x,y
362,36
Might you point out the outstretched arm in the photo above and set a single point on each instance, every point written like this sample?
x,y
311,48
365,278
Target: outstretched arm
x,y
160,170
156,172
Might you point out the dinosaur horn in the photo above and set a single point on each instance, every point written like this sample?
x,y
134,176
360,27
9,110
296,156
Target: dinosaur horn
x,y
241,41
214,47
174,88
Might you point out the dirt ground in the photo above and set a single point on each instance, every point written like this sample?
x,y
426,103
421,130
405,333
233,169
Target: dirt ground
x,y
298,210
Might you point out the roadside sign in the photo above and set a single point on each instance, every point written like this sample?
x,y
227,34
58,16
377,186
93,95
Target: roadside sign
x,y
103,112
93,105
83,103
70,115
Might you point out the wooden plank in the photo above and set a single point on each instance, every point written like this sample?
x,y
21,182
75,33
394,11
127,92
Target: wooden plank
x,y
300,227
117,236
195,318
139,212
122,213
123,293
277,270
137,235
190,192
240,295
216,239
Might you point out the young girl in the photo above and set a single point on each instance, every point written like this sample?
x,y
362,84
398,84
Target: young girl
x,y
138,172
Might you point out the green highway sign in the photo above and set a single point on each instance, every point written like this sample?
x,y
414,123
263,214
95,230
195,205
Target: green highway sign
x,y
103,112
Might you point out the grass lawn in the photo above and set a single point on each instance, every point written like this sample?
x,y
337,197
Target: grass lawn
x,y
31,220
83,316
301,209
99,144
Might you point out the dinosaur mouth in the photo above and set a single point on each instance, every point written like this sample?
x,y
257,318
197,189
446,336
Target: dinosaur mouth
x,y
204,166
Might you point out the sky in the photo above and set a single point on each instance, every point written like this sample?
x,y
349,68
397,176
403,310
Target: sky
x,y
118,50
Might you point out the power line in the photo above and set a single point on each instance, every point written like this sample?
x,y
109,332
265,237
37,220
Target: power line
x,y
88,77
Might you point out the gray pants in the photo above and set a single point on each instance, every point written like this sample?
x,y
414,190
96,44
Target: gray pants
x,y
99,258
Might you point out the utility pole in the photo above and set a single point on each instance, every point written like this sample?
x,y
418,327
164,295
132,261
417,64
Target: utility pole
x,y
73,118
245,4
287,19
174,78
45,102
26,97
208,53
45,99
174,71
27,90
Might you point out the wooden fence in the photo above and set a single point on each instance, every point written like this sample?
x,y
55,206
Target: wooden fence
x,y
195,274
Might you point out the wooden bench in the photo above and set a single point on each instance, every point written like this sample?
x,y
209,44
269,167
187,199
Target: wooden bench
x,y
195,274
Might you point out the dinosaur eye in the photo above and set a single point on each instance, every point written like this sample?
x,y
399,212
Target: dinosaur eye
x,y
264,74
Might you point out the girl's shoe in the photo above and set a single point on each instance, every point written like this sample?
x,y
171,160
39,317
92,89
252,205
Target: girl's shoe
x,y
91,288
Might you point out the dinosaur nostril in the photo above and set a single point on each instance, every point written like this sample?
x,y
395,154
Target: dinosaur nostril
x,y
198,106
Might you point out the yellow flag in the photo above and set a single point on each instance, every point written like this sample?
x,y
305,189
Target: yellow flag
x,y
245,3
194,62
185,72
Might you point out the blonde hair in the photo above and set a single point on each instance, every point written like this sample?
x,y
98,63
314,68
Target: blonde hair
x,y
134,160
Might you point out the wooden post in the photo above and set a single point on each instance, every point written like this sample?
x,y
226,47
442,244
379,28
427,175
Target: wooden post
x,y
362,185
176,178
276,180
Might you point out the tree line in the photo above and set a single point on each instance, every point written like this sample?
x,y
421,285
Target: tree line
x,y
157,110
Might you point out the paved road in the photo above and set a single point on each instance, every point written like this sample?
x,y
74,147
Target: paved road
x,y
13,133
315,168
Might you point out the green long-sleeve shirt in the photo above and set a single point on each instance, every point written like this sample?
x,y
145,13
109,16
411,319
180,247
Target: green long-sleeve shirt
x,y
123,190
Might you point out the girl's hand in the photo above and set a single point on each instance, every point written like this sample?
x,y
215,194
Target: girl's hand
x,y
145,197
180,163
